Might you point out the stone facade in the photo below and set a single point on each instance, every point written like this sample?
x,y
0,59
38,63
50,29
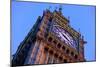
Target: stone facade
x,y
42,46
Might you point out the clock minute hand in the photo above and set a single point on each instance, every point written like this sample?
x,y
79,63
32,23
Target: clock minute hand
x,y
67,39
65,36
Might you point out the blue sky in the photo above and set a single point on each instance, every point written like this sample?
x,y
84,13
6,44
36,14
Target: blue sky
x,y
24,15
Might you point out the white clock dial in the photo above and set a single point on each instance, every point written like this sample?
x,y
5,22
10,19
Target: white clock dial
x,y
63,35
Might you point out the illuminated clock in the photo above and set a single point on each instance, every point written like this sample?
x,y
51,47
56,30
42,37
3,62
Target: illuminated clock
x,y
63,35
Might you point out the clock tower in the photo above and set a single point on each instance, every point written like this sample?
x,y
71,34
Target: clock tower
x,y
50,41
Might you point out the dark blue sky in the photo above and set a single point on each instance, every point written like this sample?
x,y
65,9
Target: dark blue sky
x,y
24,15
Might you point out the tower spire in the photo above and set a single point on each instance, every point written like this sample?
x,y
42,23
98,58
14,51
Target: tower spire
x,y
60,8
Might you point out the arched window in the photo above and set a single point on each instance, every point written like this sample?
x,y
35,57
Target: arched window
x,y
63,47
72,53
59,45
49,39
56,55
65,61
75,56
60,58
51,52
67,51
55,42
46,49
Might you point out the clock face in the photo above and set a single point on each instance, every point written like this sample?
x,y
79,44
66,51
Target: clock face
x,y
63,35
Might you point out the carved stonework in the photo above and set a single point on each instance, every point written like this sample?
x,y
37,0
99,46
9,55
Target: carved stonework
x,y
54,41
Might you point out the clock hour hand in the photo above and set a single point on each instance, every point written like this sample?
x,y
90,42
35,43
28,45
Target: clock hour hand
x,y
69,40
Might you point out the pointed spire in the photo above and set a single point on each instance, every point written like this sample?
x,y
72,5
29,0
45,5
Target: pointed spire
x,y
79,40
60,8
69,19
83,40
79,32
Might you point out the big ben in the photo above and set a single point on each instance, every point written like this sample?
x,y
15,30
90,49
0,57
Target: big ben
x,y
50,41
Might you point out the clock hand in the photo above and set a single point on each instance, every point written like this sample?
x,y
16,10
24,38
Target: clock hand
x,y
65,39
69,41
69,38
66,36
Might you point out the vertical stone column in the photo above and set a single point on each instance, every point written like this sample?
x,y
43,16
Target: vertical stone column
x,y
33,54
39,55
47,57
43,55
52,59
29,54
